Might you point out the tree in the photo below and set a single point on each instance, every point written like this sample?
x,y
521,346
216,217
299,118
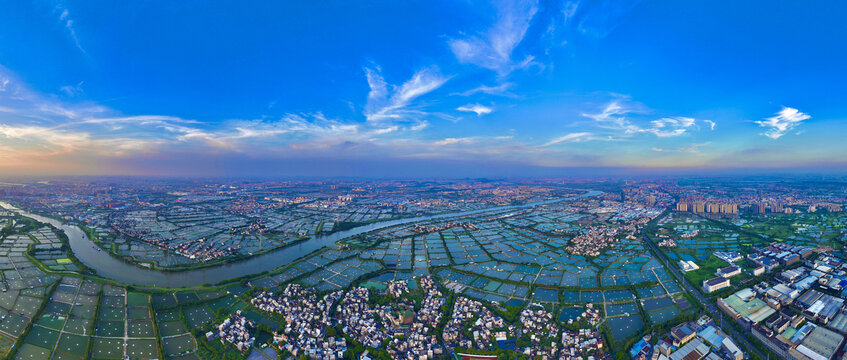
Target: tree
x,y
349,355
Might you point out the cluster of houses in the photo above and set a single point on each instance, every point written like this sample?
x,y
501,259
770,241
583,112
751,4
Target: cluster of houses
x,y
397,315
630,218
484,326
429,286
306,319
415,332
358,320
395,327
235,330
691,234
396,288
541,328
582,344
671,243
590,314
593,241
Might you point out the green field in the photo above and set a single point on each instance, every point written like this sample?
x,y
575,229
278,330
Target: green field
x,y
171,328
136,299
141,328
142,349
110,328
42,337
79,325
178,344
73,344
107,349
32,352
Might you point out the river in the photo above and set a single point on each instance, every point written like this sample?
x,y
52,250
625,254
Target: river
x,y
107,266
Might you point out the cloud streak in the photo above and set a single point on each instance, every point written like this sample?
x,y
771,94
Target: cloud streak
x,y
395,103
501,89
669,127
615,117
599,18
785,120
570,138
64,17
476,108
493,49
693,148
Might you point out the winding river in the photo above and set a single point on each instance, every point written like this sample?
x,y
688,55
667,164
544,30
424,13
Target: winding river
x,y
107,266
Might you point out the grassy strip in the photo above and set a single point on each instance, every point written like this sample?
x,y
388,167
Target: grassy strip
x,y
90,347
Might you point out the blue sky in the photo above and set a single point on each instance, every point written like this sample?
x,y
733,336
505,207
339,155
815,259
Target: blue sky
x,y
454,88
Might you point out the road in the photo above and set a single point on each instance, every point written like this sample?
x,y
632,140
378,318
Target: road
x,y
711,308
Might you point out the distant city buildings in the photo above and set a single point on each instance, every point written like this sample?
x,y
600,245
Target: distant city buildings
x,y
707,207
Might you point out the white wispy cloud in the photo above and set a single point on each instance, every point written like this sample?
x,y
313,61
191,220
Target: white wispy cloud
x,y
469,146
599,18
394,104
64,17
493,48
476,108
568,10
383,131
784,121
693,148
4,82
419,126
711,124
614,117
138,119
570,138
501,89
72,91
669,127
379,89
454,141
